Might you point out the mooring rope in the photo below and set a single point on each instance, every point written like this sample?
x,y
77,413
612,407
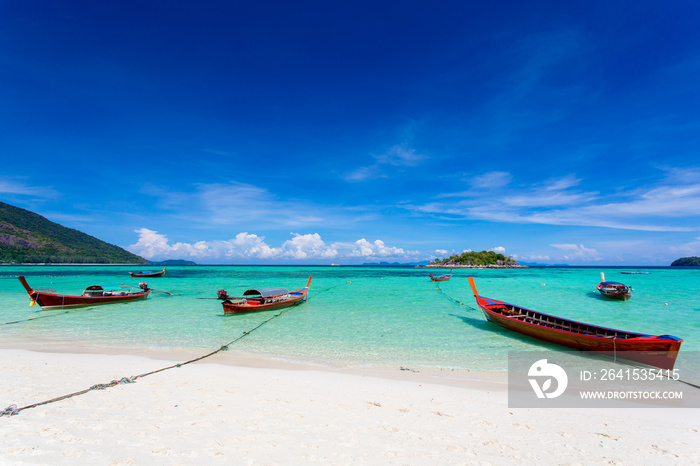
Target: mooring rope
x,y
688,383
457,301
223,347
13,410
34,318
330,288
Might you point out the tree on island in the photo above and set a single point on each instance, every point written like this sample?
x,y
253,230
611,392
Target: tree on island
x,y
473,258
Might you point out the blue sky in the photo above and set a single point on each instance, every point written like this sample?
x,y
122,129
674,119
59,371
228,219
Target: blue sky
x,y
357,132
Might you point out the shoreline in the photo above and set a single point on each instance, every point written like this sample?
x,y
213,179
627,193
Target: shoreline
x,y
231,357
230,409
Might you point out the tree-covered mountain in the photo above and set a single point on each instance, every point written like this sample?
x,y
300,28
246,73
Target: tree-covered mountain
x,y
686,262
26,237
477,259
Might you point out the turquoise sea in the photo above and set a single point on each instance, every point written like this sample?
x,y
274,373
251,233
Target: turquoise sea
x,y
355,316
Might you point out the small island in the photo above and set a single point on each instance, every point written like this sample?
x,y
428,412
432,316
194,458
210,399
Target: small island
x,y
170,262
476,260
686,262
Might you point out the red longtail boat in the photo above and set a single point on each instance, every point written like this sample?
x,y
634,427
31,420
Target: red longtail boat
x,y
262,299
658,351
613,290
441,278
147,273
93,295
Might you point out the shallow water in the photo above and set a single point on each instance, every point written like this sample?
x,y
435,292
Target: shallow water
x,y
355,316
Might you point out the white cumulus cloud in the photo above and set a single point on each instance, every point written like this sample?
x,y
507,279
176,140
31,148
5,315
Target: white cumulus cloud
x,y
577,252
246,246
307,247
366,249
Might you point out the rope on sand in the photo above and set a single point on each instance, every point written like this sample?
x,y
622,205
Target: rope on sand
x,y
13,410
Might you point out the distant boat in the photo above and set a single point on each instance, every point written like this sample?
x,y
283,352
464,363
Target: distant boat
x,y
441,278
262,299
147,273
613,290
93,295
658,351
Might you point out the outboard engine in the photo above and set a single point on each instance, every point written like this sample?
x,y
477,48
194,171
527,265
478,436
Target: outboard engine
x,y
143,286
222,295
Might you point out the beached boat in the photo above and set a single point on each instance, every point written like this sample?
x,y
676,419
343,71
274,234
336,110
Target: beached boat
x,y
613,290
262,299
441,278
93,295
658,351
147,273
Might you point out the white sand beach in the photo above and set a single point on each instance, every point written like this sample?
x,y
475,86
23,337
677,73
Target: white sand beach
x,y
232,410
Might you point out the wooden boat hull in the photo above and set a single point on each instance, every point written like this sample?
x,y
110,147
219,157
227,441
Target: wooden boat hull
x,y
658,351
146,275
439,279
50,301
297,297
55,301
615,296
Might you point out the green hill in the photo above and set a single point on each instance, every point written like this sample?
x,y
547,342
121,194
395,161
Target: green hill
x,y
686,262
26,237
